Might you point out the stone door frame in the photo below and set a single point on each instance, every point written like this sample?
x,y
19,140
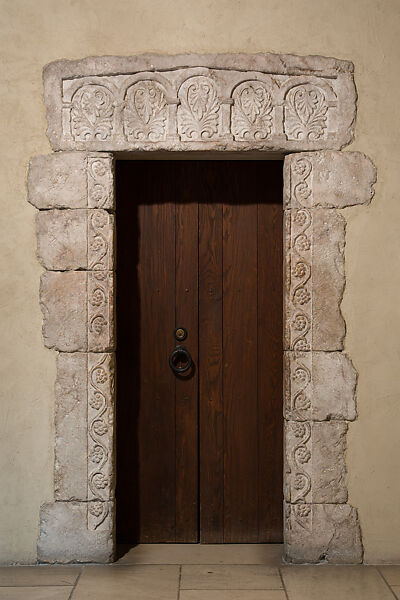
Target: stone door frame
x,y
304,107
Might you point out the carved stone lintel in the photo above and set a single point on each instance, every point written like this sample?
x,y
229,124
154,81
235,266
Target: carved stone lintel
x,y
78,310
64,536
75,239
319,386
71,180
322,532
328,179
278,102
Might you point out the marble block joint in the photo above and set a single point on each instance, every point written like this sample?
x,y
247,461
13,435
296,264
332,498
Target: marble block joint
x,y
263,103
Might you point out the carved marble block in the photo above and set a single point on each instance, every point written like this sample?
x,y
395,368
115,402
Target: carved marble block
x,y
64,536
78,310
322,532
71,180
328,179
314,280
314,458
75,239
319,386
219,102
84,421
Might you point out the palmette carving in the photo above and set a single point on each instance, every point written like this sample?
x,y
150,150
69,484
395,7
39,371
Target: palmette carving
x,y
146,112
100,437
251,112
305,113
92,111
198,114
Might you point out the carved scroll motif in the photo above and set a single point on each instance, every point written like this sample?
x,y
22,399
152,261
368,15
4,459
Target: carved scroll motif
x,y
100,182
98,245
251,112
100,306
300,258
92,112
198,114
305,113
100,439
146,112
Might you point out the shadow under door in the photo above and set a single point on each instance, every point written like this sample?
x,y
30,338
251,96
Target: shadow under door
x,y
199,359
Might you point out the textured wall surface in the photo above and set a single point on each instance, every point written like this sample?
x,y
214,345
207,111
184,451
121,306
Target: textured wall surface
x,y
364,31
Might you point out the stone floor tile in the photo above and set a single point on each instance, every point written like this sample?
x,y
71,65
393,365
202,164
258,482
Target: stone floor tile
x,y
391,573
232,595
142,582
234,577
38,575
219,554
334,583
61,592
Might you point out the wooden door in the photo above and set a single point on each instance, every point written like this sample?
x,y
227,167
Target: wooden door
x,y
199,454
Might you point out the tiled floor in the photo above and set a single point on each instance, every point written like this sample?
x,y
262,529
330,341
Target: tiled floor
x,y
194,572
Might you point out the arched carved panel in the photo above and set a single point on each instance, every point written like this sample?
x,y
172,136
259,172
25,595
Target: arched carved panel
x,y
145,112
92,111
199,110
252,111
305,113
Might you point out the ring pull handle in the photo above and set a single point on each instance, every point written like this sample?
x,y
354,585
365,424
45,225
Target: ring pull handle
x,y
180,354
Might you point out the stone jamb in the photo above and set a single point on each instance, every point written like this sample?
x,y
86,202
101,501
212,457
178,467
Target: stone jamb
x,y
151,103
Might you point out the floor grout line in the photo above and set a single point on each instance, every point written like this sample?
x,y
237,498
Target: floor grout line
x,y
206,564
384,579
283,584
179,582
76,583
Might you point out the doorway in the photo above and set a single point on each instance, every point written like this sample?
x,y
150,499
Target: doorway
x,y
199,357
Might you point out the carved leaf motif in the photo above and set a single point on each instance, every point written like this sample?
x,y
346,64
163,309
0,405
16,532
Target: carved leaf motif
x,y
145,112
199,110
92,113
305,113
251,113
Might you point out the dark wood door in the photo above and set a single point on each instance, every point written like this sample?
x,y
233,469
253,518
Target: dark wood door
x,y
199,455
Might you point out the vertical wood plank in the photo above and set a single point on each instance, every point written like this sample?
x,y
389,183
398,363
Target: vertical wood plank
x,y
156,423
240,364
187,384
270,356
210,362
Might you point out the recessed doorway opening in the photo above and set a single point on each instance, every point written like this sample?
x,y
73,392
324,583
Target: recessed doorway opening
x,y
199,446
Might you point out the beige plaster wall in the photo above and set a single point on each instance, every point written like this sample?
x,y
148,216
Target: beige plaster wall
x,y
34,33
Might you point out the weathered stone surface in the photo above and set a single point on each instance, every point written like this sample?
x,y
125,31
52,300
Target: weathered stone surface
x,y
315,467
64,536
87,112
84,427
75,239
314,283
63,300
78,310
328,179
71,462
319,386
71,180
322,532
